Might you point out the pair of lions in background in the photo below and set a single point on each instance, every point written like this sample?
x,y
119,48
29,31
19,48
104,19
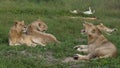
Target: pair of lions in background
x,y
98,45
30,35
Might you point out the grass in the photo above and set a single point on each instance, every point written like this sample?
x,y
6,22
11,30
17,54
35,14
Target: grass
x,y
55,13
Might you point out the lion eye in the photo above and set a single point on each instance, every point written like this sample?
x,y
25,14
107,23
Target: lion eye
x,y
20,24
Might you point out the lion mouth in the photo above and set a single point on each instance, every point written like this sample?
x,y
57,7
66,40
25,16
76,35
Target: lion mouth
x,y
44,31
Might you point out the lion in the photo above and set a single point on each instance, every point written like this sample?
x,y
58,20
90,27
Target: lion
x,y
102,28
98,45
105,29
39,25
43,38
15,33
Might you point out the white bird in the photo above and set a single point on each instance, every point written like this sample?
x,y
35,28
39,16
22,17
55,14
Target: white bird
x,y
89,12
74,11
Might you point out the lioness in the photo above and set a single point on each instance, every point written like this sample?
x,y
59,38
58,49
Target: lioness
x,y
39,25
15,33
98,45
105,29
43,38
102,28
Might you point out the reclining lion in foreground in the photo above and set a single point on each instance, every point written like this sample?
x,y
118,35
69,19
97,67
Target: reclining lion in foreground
x,y
98,46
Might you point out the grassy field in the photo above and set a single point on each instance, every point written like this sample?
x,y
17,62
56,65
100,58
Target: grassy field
x,y
55,13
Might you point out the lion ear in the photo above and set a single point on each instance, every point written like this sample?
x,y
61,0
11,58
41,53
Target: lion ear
x,y
84,23
22,21
16,23
98,27
101,23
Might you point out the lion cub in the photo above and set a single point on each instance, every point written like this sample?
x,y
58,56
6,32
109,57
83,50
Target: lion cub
x,y
98,45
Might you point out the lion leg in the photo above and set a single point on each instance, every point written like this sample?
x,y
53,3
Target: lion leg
x,y
84,57
82,48
10,42
41,43
81,57
13,43
100,57
36,41
106,56
31,44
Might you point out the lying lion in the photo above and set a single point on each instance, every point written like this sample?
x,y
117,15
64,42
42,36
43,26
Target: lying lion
x,y
102,28
98,46
15,33
105,29
43,38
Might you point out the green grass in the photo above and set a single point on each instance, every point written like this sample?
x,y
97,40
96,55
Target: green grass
x,y
55,13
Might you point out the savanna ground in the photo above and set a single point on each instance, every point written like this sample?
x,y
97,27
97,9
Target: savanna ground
x,y
55,13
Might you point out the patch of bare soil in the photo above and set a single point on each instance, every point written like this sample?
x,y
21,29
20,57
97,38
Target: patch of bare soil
x,y
69,59
49,57
73,63
78,65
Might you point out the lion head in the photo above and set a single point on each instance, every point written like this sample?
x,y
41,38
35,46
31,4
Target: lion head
x,y
39,25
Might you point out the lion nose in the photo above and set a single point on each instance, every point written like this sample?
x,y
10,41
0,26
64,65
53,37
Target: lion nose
x,y
25,26
83,30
